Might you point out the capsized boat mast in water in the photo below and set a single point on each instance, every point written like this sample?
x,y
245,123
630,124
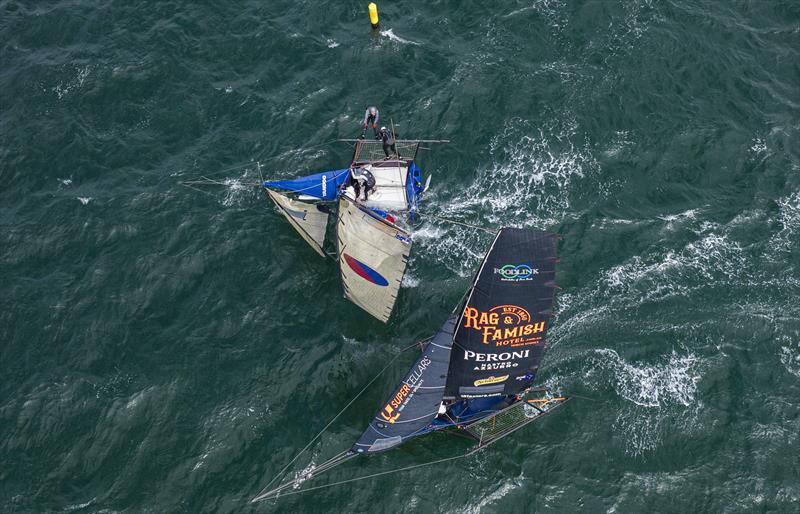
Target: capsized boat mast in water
x,y
476,374
372,250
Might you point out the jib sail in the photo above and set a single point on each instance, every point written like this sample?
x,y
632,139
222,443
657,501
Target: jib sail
x,y
324,186
373,254
305,217
501,330
415,402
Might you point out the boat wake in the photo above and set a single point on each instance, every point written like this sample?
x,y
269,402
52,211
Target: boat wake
x,y
535,171
391,36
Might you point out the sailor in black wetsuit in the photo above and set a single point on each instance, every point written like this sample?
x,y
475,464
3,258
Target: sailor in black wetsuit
x,y
371,117
389,140
362,180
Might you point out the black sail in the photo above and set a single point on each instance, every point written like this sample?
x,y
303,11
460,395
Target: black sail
x,y
500,336
415,402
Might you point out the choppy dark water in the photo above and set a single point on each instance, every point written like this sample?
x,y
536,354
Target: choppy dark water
x,y
164,350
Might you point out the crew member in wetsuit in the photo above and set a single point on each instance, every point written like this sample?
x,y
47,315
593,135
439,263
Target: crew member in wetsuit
x,y
371,117
389,140
362,180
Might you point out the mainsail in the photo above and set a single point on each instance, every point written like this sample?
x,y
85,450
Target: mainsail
x,y
415,402
501,331
373,254
309,221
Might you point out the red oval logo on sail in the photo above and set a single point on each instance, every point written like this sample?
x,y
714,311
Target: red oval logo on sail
x,y
365,272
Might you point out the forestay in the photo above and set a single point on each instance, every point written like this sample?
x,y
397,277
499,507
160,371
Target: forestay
x,y
307,218
501,332
415,402
373,254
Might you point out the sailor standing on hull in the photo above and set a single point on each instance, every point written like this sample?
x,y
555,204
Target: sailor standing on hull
x,y
362,180
389,139
371,117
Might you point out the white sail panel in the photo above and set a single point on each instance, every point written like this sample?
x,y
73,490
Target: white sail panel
x,y
305,217
372,258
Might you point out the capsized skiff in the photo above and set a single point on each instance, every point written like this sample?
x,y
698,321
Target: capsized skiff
x,y
371,249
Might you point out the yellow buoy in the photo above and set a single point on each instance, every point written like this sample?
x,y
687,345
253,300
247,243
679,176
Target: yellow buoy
x,y
373,15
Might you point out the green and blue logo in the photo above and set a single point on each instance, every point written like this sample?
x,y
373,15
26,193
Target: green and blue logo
x,y
516,272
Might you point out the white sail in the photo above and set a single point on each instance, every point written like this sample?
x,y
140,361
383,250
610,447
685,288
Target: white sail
x,y
373,255
306,218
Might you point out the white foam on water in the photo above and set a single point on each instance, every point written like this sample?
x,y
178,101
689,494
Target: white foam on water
x,y
532,176
583,318
758,146
409,281
331,43
658,276
79,506
459,249
620,143
790,355
746,218
397,39
466,67
304,474
201,461
606,222
85,199
624,34
62,89
506,487
789,218
137,398
553,12
690,214
634,484
65,181
657,385
235,190
771,432
660,392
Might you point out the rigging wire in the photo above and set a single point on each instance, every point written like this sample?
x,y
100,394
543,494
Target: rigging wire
x,y
456,222
389,472
205,181
260,159
282,471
